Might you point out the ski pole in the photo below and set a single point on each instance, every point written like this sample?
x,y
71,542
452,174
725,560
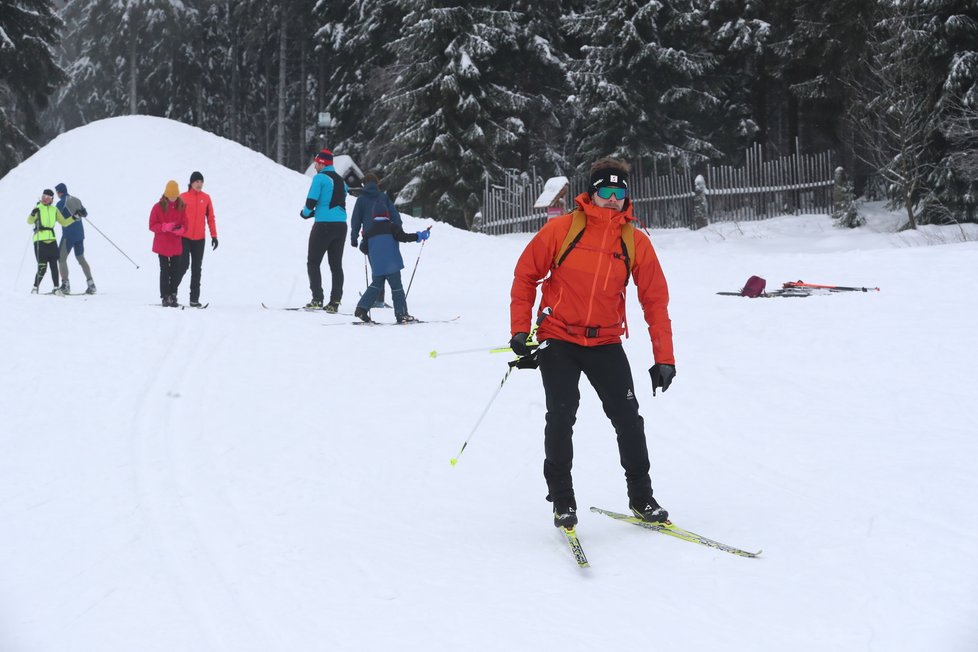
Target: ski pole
x,y
21,267
408,291
841,288
111,243
498,349
543,315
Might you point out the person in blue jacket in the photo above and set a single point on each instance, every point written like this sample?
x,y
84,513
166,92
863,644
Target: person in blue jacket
x,y
363,213
326,202
72,237
380,242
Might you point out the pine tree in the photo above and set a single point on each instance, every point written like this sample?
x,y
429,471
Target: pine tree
x,y
454,113
125,59
642,82
29,74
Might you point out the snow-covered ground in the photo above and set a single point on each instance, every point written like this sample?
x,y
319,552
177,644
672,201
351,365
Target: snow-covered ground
x,y
244,479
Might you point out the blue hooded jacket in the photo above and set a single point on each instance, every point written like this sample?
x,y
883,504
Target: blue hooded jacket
x,y
382,236
363,213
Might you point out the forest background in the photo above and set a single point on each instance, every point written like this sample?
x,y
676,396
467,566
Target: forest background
x,y
439,96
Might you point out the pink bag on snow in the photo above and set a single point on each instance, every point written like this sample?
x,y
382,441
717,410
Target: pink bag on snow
x,y
754,287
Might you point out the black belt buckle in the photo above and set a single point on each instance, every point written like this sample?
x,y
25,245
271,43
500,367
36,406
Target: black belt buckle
x,y
591,331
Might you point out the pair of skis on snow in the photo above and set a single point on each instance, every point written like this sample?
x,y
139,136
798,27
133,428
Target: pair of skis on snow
x,y
665,528
367,323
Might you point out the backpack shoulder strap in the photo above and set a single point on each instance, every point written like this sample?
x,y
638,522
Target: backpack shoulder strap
x,y
628,248
574,234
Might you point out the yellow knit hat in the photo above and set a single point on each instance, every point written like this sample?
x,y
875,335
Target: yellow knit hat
x,y
172,190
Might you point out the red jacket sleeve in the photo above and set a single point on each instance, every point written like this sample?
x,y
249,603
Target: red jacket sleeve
x,y
156,219
209,212
653,294
533,266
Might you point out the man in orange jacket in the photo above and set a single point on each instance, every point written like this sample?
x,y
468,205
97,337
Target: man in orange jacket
x,y
585,259
199,209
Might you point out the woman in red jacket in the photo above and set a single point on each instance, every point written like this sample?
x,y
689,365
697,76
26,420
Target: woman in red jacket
x,y
168,221
584,275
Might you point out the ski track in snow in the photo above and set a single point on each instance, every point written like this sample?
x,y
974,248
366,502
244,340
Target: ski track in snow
x,y
179,504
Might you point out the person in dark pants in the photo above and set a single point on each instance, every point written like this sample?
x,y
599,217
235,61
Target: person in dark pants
x,y
168,222
363,211
326,202
380,242
200,210
44,216
585,260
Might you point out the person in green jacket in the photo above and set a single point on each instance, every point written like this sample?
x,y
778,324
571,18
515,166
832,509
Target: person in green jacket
x,y
43,217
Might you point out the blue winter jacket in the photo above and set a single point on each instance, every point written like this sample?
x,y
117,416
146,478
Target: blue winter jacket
x,y
370,197
327,197
382,238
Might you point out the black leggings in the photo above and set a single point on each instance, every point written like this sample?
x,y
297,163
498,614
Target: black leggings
x,y
608,371
47,255
171,271
326,239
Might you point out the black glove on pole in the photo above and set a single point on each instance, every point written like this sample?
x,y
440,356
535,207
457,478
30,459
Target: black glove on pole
x,y
213,244
662,375
518,344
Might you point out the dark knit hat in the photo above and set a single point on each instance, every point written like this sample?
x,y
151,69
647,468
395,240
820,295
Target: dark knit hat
x,y
48,192
196,176
325,157
613,177
62,188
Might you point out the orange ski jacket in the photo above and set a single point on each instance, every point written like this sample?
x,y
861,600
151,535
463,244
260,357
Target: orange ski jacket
x,y
199,209
586,292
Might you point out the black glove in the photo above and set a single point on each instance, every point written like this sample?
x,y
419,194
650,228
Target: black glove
x,y
81,213
662,375
364,247
518,344
306,217
353,243
35,212
213,244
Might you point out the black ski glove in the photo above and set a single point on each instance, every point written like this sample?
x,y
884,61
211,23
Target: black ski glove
x,y
213,244
354,243
519,345
306,217
662,375
35,213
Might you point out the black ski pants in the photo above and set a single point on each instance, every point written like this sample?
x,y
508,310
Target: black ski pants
x,y
326,239
192,259
171,270
46,254
608,371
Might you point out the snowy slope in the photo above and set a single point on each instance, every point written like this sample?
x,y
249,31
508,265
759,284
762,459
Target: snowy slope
x,y
243,479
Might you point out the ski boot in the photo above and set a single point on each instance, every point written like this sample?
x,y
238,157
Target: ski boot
x,y
332,307
648,510
565,513
362,314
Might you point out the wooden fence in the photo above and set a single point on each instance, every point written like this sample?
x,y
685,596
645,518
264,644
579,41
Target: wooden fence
x,y
799,183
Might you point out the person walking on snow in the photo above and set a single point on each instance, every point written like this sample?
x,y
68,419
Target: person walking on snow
x,y
326,202
363,211
585,259
168,221
199,209
43,217
380,242
72,237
